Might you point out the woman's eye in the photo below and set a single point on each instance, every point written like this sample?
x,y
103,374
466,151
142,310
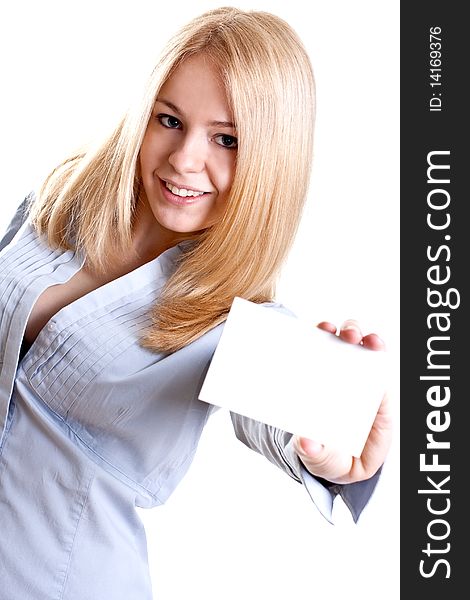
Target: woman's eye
x,y
169,121
227,141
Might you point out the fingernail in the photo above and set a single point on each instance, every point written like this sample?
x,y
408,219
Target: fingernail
x,y
349,328
310,447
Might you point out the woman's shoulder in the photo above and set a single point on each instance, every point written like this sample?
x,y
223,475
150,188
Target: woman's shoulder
x,y
279,307
19,218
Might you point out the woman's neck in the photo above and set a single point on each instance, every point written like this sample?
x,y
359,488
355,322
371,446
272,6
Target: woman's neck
x,y
150,239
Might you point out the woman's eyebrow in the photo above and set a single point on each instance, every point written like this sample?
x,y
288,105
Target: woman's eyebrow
x,y
174,108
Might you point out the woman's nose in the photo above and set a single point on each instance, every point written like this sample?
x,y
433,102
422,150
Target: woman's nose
x,y
189,155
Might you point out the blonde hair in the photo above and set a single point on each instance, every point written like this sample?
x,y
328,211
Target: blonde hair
x,y
89,201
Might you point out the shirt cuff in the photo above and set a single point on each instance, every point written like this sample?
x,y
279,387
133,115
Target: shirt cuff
x,y
320,493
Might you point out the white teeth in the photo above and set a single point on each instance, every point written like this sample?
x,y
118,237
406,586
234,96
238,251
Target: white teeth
x,y
182,192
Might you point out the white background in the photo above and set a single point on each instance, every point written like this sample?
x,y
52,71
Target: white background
x,y
237,527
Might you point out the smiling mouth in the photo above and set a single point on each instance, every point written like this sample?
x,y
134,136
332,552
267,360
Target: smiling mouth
x,y
183,192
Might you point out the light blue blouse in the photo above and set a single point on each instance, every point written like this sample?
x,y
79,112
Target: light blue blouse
x,y
93,425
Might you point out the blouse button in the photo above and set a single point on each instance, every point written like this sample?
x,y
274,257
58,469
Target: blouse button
x,y
51,327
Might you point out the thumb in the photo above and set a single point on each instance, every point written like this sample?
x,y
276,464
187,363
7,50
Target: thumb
x,y
308,448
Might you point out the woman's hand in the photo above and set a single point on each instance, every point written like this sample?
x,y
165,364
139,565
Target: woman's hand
x,y
333,465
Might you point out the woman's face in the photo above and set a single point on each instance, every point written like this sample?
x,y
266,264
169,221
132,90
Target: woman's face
x,y
188,155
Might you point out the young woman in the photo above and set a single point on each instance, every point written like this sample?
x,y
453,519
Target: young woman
x,y
115,281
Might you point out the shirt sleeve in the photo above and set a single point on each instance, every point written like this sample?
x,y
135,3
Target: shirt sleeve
x,y
17,221
277,446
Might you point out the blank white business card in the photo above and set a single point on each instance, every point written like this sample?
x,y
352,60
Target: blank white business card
x,y
285,372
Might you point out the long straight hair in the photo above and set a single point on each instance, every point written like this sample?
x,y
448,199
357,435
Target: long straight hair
x,y
89,201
